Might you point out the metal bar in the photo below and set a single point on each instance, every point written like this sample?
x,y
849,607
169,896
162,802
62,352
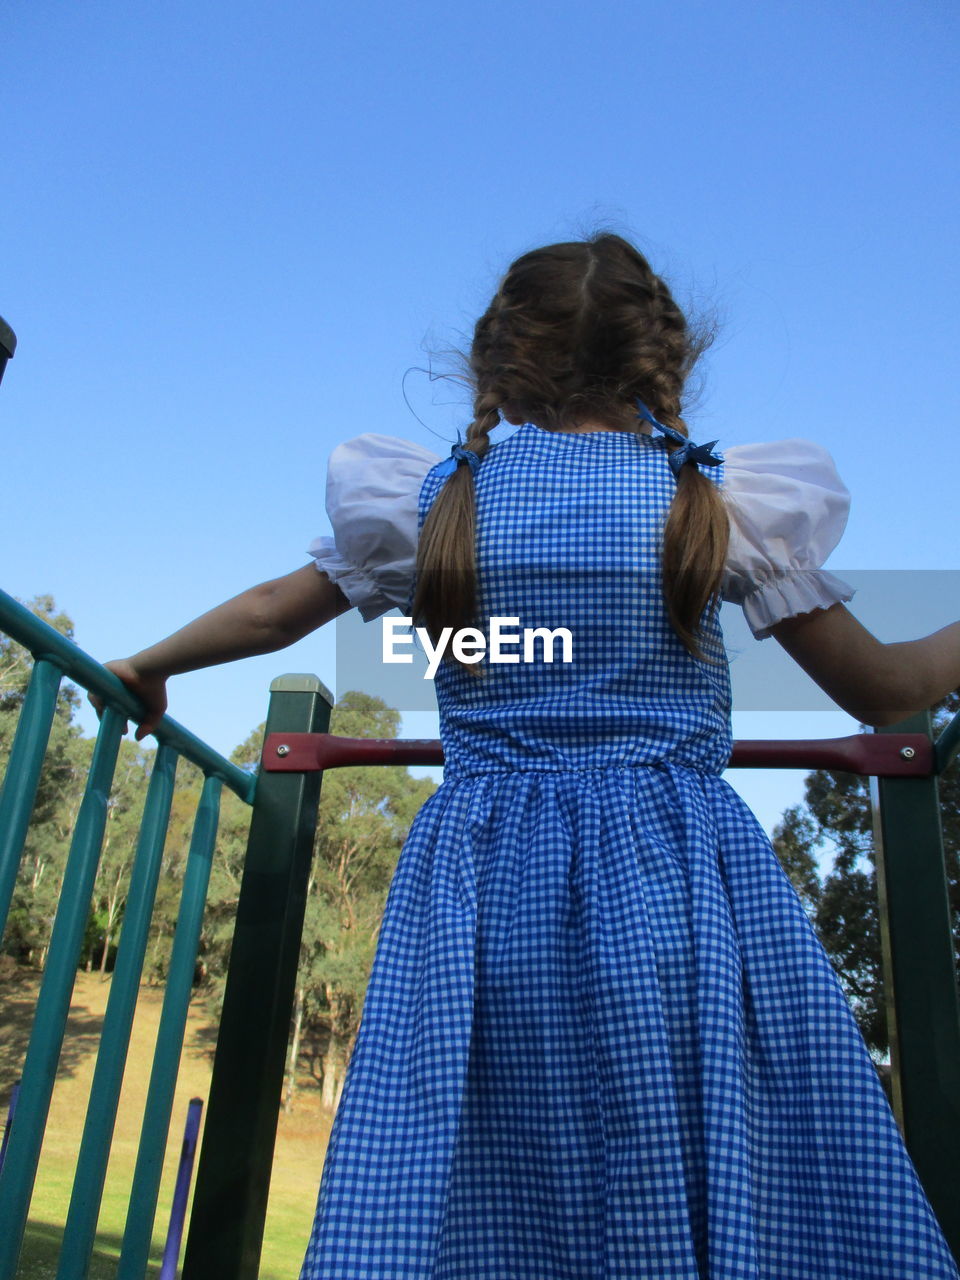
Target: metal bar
x,y
948,744
142,1208
44,642
233,1177
81,1227
26,1136
11,1112
287,752
178,1213
907,755
23,775
860,753
920,977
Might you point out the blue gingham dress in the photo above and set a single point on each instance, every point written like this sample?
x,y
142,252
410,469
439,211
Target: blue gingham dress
x,y
600,1039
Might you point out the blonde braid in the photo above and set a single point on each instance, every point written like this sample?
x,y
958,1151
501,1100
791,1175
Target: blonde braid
x,y
446,594
486,415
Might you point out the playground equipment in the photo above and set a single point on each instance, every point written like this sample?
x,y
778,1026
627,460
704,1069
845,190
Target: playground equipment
x,y
56,657
178,1214
233,1175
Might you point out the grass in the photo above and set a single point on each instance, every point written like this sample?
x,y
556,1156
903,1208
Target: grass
x,y
298,1160
41,1254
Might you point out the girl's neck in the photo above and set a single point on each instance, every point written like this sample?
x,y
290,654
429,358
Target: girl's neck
x,y
584,427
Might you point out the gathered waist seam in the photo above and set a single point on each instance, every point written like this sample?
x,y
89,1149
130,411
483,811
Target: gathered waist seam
x,y
463,775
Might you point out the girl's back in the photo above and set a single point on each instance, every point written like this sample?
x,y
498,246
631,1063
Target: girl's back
x,y
568,537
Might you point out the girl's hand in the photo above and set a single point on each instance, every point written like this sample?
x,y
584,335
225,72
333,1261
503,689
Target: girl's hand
x,y
150,689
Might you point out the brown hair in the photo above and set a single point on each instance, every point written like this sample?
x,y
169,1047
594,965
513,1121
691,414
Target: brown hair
x,y
577,333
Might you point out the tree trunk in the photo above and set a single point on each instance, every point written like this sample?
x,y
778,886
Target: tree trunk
x,y
107,938
294,1050
332,1074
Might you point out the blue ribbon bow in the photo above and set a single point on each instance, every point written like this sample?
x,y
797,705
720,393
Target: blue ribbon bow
x,y
688,451
458,454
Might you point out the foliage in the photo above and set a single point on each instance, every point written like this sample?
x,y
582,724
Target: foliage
x,y
61,780
364,818
836,820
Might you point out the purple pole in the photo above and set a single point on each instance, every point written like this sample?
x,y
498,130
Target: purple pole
x,y
171,1251
11,1111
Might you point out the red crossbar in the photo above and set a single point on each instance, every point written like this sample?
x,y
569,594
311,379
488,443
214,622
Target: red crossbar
x,y
881,755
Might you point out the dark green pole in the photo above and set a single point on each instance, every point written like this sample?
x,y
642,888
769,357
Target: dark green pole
x,y
920,980
233,1174
8,345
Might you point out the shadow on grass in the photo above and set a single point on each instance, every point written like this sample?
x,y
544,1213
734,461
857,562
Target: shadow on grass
x,y
41,1254
18,1004
203,1035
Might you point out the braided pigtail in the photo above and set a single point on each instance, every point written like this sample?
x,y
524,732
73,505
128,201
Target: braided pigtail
x,y
446,594
694,550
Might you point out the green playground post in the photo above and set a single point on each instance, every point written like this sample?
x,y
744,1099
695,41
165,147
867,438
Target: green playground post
x,y
923,1013
233,1173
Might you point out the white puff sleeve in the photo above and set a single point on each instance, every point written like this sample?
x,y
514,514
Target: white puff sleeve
x,y
373,488
788,509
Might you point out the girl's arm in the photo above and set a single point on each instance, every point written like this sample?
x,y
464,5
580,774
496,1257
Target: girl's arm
x,y
879,684
263,619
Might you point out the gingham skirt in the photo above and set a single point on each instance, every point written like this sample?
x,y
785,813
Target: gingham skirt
x,y
601,1041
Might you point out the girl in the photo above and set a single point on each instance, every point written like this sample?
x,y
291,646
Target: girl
x,y
600,1038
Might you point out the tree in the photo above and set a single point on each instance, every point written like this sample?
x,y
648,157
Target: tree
x,y
121,830
836,817
364,818
58,793
226,873
16,667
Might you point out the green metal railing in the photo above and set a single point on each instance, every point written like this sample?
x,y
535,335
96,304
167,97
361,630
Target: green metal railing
x,y
56,658
233,1175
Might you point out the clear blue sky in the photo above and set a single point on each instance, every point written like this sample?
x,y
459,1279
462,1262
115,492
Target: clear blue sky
x,y
228,230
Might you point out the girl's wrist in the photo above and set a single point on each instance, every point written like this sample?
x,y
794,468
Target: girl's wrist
x,y
148,665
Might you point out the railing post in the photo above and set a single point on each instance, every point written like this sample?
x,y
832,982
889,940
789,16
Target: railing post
x,y
19,790
142,1206
920,980
81,1226
233,1174
53,1003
